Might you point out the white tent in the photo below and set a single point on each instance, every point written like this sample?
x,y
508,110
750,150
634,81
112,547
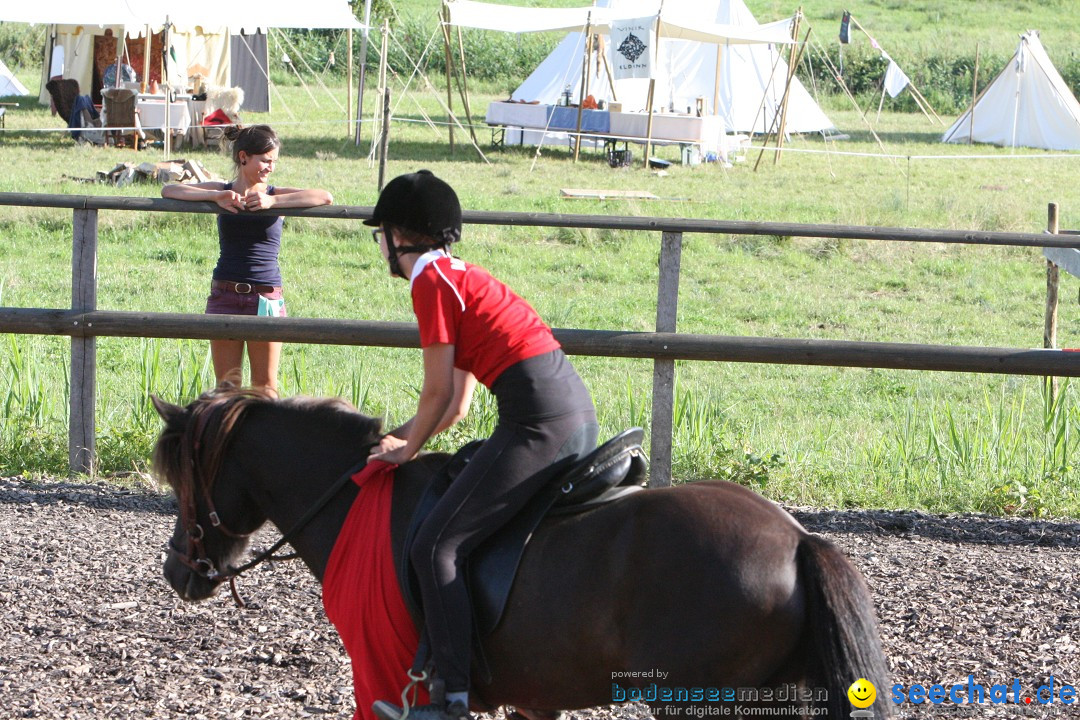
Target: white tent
x,y
712,50
1028,104
9,84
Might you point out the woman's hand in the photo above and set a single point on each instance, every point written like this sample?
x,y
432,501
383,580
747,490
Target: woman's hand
x,y
255,200
229,200
391,450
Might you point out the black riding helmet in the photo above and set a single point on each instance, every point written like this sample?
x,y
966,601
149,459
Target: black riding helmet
x,y
422,203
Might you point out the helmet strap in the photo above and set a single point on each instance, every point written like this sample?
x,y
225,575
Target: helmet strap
x,y
394,251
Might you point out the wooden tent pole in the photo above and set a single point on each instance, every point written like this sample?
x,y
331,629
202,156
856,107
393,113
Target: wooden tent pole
x,y
602,53
980,96
363,72
767,132
584,79
348,83
787,86
648,124
920,97
166,143
783,103
146,63
449,72
652,86
716,82
920,100
851,98
974,91
464,86
382,94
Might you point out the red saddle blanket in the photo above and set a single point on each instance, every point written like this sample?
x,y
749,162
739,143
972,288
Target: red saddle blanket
x,y
362,598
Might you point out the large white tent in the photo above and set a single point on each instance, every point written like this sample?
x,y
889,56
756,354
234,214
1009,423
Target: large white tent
x,y
709,50
1028,104
217,36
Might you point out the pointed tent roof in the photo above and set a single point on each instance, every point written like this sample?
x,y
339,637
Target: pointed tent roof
x,y
1028,104
752,73
9,84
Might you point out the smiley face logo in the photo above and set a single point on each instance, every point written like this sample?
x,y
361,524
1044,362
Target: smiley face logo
x,y
862,693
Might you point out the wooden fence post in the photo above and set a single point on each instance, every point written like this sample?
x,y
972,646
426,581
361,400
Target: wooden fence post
x,y
663,402
1050,321
83,348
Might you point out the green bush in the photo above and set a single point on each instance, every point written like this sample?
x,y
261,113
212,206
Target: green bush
x,y
21,45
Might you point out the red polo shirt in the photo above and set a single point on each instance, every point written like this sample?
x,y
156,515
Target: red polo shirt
x,y
490,327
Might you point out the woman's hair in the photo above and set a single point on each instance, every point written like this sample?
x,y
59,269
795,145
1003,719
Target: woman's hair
x,y
254,140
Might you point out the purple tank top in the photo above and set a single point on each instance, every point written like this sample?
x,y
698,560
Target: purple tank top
x,y
250,243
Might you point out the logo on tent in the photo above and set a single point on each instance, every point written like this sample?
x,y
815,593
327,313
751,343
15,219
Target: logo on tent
x,y
631,48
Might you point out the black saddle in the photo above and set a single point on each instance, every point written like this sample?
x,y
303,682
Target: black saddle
x,y
612,471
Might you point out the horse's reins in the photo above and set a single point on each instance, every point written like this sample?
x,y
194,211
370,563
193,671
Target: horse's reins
x,y
204,566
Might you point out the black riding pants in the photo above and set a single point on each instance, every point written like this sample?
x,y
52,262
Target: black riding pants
x,y
546,416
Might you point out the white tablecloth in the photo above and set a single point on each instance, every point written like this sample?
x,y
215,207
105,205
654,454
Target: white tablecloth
x,y
707,131
668,127
518,114
152,115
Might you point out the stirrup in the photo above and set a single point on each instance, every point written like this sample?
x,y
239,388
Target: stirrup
x,y
388,711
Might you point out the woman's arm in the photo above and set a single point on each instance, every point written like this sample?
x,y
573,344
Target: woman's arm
x,y
213,191
293,198
436,398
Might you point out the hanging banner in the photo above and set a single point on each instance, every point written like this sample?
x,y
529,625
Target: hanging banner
x,y
632,48
845,28
895,79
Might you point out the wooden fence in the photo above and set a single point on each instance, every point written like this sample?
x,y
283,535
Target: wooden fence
x,y
83,322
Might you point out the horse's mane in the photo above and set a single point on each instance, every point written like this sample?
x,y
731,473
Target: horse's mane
x,y
189,452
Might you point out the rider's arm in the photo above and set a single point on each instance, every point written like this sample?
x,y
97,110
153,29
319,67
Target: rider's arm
x,y
464,384
435,404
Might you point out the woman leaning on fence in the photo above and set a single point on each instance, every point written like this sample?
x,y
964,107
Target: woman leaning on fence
x,y
247,279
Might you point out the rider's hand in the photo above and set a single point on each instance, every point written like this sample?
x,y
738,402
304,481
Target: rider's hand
x,y
391,450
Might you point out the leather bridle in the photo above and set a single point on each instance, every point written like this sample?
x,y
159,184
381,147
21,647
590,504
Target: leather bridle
x,y
195,556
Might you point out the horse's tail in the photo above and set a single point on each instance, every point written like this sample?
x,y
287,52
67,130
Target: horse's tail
x,y
842,627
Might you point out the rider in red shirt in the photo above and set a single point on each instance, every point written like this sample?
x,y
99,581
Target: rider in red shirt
x,y
472,328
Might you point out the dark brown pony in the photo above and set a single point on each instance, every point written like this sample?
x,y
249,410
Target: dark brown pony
x,y
707,581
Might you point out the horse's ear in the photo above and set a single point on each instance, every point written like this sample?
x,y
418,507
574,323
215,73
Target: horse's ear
x,y
169,413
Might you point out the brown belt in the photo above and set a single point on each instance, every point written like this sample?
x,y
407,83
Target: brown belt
x,y
242,287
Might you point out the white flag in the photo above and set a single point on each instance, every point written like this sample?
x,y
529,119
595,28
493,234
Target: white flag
x,y
632,48
895,79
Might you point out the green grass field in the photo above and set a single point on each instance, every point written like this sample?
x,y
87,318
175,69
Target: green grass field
x,y
821,436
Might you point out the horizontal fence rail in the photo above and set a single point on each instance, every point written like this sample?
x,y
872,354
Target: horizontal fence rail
x,y
596,222
83,322
597,343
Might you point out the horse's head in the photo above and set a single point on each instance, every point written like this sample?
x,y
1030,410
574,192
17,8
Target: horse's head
x,y
188,455
217,504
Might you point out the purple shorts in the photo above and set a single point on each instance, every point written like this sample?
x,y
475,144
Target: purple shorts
x,y
230,302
